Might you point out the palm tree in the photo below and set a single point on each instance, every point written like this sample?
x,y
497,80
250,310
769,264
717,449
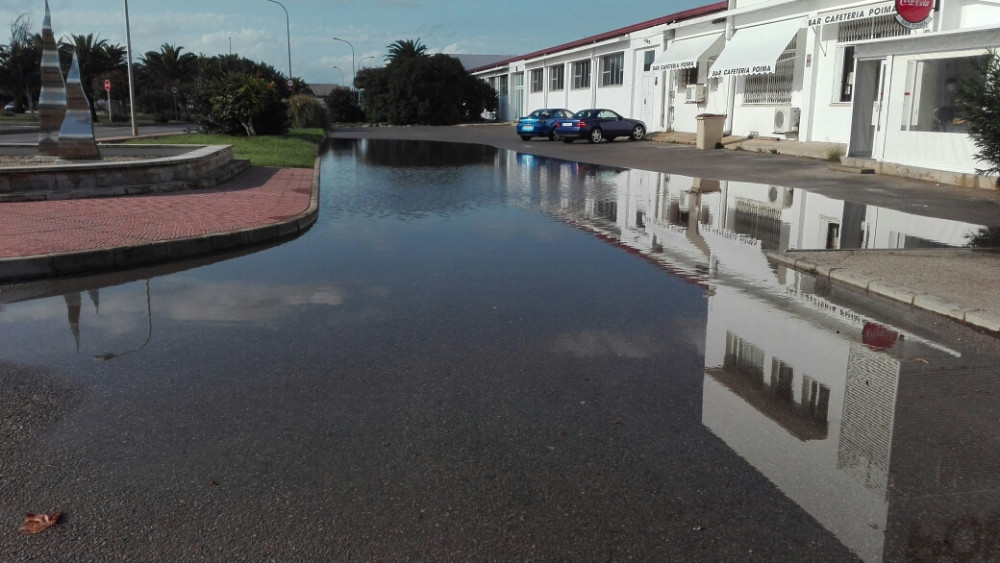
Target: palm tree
x,y
169,68
97,59
402,49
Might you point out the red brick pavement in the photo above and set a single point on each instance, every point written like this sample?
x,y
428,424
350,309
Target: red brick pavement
x,y
256,198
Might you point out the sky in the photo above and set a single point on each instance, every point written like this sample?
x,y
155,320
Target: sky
x,y
256,29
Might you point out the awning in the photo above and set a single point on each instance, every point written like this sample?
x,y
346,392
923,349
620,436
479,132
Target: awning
x,y
755,50
684,53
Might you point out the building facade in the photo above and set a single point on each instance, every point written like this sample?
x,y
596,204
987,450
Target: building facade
x,y
856,73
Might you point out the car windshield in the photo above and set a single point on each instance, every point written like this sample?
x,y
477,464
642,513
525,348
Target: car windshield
x,y
586,113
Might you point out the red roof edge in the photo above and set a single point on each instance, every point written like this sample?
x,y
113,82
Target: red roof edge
x,y
671,18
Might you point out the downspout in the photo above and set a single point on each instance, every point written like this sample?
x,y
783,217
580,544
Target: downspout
x,y
594,76
731,80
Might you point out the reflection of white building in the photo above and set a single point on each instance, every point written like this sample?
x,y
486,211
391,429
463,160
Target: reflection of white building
x,y
837,71
859,423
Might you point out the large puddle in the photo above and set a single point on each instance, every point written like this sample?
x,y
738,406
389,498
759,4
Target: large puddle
x,y
477,354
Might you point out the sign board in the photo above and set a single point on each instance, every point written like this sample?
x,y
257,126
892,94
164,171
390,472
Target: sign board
x,y
107,85
914,13
173,90
858,13
290,83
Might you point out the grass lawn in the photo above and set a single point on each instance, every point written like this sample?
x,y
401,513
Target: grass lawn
x,y
298,149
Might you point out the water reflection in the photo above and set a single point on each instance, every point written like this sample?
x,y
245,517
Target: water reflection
x,y
442,348
885,436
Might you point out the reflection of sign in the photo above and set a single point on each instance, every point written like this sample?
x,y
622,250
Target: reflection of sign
x,y
878,337
107,85
859,13
914,13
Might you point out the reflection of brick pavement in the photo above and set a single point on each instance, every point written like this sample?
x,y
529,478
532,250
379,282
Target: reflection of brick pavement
x,y
256,198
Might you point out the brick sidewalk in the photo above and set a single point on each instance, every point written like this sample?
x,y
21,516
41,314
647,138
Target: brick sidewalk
x,y
257,198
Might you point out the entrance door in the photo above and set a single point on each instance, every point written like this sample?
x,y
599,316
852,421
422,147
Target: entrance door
x,y
868,105
647,100
517,95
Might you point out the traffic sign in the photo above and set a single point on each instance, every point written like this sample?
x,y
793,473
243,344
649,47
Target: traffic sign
x,y
107,85
290,83
173,90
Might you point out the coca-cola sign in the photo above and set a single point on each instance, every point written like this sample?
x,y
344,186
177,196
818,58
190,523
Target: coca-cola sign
x,y
914,13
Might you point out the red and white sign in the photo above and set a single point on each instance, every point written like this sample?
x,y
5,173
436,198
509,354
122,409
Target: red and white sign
x,y
107,85
914,13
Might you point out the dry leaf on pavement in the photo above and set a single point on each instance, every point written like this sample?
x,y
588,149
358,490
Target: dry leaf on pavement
x,y
36,523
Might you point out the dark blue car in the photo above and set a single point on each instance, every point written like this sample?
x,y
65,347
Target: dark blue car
x,y
596,125
541,123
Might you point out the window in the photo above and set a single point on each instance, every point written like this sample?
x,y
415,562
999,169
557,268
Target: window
x,y
492,81
773,88
536,80
845,56
556,77
502,85
613,69
932,84
647,59
581,74
686,76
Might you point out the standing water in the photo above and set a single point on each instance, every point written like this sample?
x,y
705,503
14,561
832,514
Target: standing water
x,y
481,355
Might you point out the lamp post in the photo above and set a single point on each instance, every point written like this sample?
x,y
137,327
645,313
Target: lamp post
x,y
149,333
288,34
361,64
131,82
352,59
341,73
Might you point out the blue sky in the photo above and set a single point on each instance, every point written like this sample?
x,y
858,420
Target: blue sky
x,y
256,28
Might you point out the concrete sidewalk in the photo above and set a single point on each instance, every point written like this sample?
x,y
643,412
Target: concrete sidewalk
x,y
75,236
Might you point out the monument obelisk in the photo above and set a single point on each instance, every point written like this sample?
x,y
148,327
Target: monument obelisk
x,y
52,99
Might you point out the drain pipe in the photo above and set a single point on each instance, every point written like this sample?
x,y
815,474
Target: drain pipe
x,y
731,80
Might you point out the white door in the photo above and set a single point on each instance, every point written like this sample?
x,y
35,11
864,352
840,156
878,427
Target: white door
x,y
517,95
646,100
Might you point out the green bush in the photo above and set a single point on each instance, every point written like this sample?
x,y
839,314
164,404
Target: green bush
x,y
306,112
343,105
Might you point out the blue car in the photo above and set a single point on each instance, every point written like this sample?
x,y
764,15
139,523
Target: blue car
x,y
541,123
596,125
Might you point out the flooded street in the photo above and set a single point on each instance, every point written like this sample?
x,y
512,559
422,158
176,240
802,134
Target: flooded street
x,y
477,354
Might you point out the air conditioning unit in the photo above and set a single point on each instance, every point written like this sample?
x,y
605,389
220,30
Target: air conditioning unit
x,y
694,93
786,120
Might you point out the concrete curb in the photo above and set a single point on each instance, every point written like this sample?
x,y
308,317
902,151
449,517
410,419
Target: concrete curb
x,y
124,257
871,286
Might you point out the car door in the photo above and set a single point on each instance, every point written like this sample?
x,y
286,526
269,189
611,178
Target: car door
x,y
612,124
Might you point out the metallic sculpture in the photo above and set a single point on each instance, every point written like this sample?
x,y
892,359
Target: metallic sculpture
x,y
52,99
76,136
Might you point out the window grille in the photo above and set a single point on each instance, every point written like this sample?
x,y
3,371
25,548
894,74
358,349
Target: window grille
x,y
759,221
581,74
773,88
686,76
613,69
556,77
536,80
870,28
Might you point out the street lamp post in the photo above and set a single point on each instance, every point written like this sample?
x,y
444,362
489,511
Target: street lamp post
x,y
288,34
361,64
341,73
352,59
131,82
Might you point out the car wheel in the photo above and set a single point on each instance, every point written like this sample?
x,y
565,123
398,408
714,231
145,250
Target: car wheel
x,y
638,132
525,137
567,140
595,135
554,135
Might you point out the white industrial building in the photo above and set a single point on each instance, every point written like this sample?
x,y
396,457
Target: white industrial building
x,y
856,73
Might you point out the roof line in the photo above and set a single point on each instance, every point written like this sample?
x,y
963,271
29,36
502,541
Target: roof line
x,y
671,18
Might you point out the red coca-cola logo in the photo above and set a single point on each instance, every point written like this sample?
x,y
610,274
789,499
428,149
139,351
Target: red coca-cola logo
x,y
914,11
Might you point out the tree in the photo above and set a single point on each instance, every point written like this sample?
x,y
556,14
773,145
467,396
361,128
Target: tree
x,y
161,72
402,49
978,101
98,61
429,90
211,83
20,63
342,103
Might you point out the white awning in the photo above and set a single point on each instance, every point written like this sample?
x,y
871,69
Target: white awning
x,y
684,53
755,50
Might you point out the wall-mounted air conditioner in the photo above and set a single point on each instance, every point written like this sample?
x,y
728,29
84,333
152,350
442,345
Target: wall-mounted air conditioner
x,y
786,120
694,93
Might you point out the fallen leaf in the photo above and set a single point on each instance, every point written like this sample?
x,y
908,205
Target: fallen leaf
x,y
923,361
37,523
615,421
